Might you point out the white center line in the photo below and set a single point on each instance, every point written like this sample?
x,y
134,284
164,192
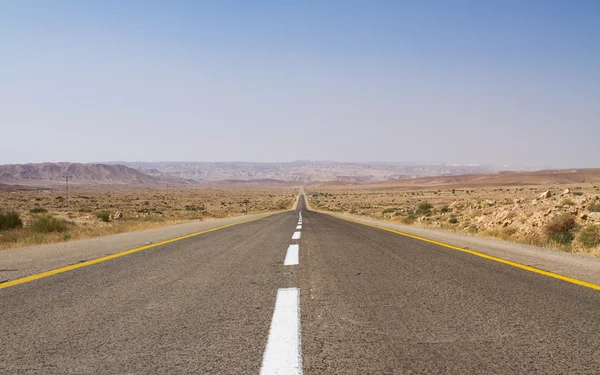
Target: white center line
x,y
296,236
282,354
291,257
299,226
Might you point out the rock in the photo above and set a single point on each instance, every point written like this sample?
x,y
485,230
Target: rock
x,y
583,217
567,191
546,194
116,216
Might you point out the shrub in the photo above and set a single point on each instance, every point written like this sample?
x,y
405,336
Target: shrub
x,y
38,210
104,216
445,209
559,228
10,220
425,206
595,207
560,224
589,236
568,202
564,238
48,224
453,220
577,193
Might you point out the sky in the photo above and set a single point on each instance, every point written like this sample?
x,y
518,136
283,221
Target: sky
x,y
479,82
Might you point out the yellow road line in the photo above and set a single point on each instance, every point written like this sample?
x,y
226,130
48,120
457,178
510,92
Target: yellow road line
x,y
482,255
113,256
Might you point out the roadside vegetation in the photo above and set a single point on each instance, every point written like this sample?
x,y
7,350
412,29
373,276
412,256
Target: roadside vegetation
x,y
46,216
565,218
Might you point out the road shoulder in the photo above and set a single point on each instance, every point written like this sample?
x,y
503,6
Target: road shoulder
x,y
21,262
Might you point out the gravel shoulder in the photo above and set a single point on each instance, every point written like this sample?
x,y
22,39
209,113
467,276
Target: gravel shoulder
x,y
21,262
572,265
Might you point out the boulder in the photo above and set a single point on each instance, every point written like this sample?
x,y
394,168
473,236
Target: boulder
x,y
567,191
116,216
546,194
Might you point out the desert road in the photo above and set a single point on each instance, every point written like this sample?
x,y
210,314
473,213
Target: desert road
x,y
299,292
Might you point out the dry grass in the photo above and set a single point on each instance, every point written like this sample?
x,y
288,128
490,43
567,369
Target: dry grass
x,y
87,211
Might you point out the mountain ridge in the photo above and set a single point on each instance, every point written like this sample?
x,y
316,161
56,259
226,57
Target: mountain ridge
x,y
80,173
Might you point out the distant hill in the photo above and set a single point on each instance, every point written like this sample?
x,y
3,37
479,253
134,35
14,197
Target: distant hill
x,y
81,173
304,171
9,188
546,178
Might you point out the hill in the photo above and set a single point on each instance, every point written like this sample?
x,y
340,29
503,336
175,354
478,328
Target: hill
x,y
304,171
546,178
80,173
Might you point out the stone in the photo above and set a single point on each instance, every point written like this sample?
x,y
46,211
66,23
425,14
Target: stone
x,y
567,191
117,215
546,194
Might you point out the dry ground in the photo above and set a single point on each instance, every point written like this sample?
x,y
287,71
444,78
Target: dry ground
x,y
566,221
89,211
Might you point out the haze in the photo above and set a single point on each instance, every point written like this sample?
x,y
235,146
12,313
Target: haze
x,y
511,82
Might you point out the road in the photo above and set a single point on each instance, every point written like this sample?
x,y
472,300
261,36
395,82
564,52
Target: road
x,y
340,298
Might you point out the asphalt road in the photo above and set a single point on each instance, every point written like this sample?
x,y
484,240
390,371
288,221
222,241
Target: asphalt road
x,y
370,302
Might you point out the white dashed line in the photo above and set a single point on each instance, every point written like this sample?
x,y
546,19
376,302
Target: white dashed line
x,y
296,236
282,354
292,256
299,227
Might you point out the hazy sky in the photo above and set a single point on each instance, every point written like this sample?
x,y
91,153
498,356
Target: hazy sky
x,y
502,82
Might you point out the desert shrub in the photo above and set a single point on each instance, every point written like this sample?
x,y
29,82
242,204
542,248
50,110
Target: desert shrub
x,y
38,210
9,236
472,229
564,238
508,232
104,216
453,220
408,219
577,193
425,206
589,236
559,228
560,223
47,224
10,220
445,209
595,207
568,202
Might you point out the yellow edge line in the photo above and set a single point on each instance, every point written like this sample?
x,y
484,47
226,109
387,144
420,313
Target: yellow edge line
x,y
482,255
38,276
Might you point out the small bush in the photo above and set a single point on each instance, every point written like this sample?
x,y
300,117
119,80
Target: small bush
x,y
568,202
564,238
38,210
577,193
453,220
560,224
595,207
104,216
589,236
47,224
10,220
425,206
445,209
